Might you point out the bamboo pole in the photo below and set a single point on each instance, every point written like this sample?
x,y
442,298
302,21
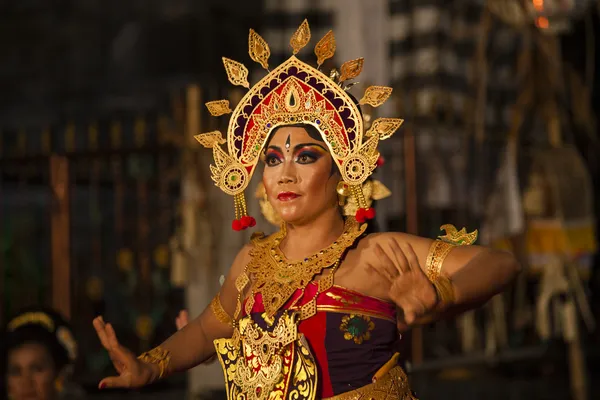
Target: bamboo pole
x,y
60,226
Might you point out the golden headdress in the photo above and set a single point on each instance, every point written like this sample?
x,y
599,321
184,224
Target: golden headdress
x,y
292,93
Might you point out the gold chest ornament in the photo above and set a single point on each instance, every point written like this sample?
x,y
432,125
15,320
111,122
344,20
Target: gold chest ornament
x,y
276,362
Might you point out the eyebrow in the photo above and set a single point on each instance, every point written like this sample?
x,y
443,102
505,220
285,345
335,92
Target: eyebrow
x,y
297,147
301,145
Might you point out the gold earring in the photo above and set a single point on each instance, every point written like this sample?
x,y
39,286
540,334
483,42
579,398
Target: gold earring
x,y
266,208
343,191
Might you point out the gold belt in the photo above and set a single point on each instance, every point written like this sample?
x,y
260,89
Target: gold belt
x,y
389,383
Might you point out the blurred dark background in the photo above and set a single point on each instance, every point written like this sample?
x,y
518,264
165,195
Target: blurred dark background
x,y
106,205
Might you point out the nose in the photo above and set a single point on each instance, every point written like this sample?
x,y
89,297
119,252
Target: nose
x,y
288,173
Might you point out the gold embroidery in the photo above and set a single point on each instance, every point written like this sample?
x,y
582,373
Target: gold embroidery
x,y
357,327
219,311
355,310
262,365
342,299
277,279
158,356
435,259
394,385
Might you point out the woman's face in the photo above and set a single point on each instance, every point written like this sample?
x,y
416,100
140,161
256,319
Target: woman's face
x,y
31,373
298,176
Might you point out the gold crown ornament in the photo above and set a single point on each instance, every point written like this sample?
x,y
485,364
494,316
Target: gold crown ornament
x,y
292,93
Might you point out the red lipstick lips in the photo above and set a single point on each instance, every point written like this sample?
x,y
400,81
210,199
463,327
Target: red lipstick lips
x,y
287,196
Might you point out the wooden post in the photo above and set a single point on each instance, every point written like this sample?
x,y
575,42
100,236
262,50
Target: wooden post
x,y
412,223
60,226
196,239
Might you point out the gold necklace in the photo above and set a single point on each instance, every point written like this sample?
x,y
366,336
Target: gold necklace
x,y
276,278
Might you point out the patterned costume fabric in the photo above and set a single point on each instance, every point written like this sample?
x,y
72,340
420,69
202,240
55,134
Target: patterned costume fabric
x,y
347,327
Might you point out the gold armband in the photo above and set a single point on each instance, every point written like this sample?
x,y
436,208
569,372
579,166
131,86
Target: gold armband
x,y
444,290
442,246
219,311
157,356
437,254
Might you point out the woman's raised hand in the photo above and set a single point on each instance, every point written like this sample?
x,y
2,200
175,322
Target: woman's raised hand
x,y
133,373
409,287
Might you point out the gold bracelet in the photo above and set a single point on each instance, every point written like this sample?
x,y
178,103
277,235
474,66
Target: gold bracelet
x,y
157,356
437,254
444,290
219,311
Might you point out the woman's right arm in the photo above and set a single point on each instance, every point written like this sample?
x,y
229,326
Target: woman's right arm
x,y
187,348
193,344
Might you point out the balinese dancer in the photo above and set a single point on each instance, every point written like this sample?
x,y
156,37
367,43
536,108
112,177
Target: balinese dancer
x,y
313,311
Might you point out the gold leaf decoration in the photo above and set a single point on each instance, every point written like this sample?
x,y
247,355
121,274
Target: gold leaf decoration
x,y
258,48
456,237
384,127
351,69
376,95
380,191
218,107
325,48
237,73
301,37
210,139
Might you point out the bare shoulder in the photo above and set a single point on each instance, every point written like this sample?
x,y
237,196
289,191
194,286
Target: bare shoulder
x,y
383,239
357,270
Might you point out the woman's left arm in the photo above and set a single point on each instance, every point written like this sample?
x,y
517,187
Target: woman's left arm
x,y
476,274
471,274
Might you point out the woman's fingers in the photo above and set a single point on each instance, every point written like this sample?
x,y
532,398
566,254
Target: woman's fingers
x,y
401,262
100,328
386,266
411,257
121,381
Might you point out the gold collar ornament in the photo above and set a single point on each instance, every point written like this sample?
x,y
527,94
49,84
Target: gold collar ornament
x,y
293,93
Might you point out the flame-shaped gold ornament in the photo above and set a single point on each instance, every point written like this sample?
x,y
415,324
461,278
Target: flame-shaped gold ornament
x,y
258,49
301,37
325,48
237,73
351,69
